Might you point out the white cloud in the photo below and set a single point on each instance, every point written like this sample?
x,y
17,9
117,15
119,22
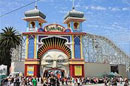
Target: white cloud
x,y
43,0
126,2
8,6
100,8
94,26
125,9
86,7
115,9
63,11
97,8
78,5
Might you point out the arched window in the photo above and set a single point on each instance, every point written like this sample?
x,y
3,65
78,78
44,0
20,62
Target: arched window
x,y
31,47
77,47
76,25
40,25
32,26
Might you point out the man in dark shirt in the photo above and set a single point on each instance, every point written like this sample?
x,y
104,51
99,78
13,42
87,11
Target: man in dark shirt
x,y
52,81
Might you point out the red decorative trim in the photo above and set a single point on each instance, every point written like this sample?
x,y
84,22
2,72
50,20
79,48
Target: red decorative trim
x,y
25,70
36,70
54,44
83,71
42,52
54,33
32,59
72,70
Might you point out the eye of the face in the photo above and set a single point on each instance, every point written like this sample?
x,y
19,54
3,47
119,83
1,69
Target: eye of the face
x,y
61,60
49,61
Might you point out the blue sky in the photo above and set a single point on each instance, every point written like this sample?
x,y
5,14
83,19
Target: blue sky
x,y
109,18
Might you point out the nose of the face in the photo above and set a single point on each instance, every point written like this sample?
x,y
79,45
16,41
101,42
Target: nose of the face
x,y
54,64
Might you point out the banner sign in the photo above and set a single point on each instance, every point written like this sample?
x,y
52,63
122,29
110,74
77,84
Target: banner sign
x,y
78,70
54,28
30,70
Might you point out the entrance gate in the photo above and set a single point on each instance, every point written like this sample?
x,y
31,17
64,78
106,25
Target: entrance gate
x,y
54,71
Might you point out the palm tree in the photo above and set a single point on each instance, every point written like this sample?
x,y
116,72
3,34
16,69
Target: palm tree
x,y
9,39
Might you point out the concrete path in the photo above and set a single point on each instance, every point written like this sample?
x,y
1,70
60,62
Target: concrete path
x,y
89,85
75,85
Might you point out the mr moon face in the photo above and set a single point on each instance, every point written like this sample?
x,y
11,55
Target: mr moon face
x,y
54,59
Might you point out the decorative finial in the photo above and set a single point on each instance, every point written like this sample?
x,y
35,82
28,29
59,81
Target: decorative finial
x,y
73,7
36,4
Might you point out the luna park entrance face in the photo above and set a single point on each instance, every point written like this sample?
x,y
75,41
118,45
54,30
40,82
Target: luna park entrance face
x,y
54,62
56,72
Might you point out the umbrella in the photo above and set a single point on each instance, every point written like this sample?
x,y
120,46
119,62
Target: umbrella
x,y
116,74
111,74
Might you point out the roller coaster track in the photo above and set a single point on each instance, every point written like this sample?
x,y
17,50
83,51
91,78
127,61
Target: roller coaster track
x,y
102,50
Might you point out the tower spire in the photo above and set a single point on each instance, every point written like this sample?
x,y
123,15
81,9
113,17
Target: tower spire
x,y
73,5
36,4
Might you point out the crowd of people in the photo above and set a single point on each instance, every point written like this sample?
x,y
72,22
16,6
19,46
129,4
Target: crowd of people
x,y
53,80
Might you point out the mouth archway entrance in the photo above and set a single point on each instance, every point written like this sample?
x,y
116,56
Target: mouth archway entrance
x,y
59,73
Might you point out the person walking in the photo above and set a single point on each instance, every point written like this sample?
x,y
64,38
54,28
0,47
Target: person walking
x,y
17,82
73,81
62,80
114,82
52,81
105,82
126,83
57,81
34,81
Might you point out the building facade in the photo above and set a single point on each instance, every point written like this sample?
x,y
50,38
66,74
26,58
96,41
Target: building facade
x,y
54,48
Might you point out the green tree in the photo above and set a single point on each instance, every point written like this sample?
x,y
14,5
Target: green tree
x,y
9,39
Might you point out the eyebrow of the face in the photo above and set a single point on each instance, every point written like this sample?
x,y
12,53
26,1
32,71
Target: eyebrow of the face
x,y
48,56
60,56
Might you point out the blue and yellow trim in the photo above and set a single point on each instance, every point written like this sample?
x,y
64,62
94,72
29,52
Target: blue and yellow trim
x,y
35,47
81,47
73,47
26,55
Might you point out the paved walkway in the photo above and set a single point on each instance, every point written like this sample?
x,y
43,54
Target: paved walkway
x,y
88,85
82,85
103,85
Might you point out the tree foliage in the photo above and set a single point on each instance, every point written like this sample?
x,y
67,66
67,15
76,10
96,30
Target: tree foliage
x,y
9,39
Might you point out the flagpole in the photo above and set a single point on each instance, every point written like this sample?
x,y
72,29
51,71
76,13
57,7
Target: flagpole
x,y
35,4
73,4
